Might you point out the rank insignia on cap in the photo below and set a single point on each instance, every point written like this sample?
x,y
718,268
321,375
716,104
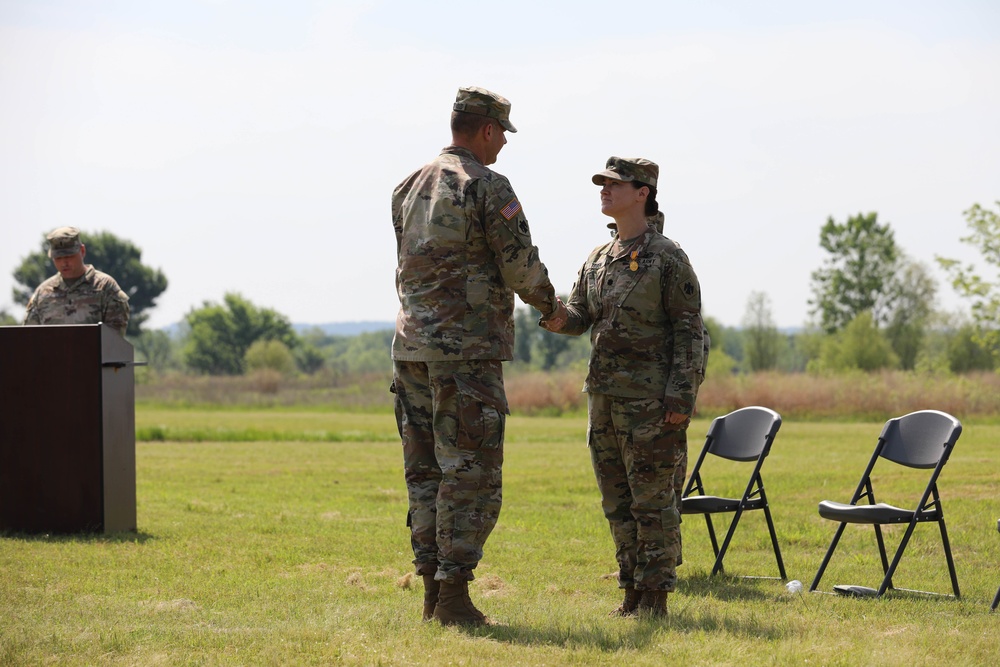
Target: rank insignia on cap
x,y
511,209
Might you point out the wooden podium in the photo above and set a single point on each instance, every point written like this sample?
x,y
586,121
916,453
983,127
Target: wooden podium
x,y
67,430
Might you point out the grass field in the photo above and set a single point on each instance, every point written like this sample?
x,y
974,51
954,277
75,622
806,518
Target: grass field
x,y
281,552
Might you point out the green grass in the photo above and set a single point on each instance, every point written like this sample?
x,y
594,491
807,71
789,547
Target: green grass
x,y
297,553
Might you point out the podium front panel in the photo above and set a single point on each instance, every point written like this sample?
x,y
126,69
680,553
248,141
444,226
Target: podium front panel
x,y
58,427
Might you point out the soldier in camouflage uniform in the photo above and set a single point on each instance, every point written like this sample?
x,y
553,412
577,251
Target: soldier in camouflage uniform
x,y
641,301
79,293
464,248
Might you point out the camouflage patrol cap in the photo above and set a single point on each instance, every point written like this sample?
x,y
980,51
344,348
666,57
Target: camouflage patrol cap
x,y
64,242
628,170
482,102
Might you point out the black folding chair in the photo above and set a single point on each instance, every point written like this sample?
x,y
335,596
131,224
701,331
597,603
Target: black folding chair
x,y
743,435
924,440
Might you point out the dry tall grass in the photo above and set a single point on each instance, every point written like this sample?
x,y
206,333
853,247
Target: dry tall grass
x,y
861,396
267,389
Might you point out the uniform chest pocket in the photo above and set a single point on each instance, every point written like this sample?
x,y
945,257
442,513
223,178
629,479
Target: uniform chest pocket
x,y
644,283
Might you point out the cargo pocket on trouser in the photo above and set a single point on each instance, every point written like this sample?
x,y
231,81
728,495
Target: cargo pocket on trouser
x,y
480,416
397,406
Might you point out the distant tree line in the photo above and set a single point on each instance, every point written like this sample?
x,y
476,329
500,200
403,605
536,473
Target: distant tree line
x,y
872,308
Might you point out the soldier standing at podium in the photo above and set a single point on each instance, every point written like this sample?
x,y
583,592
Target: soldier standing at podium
x,y
78,293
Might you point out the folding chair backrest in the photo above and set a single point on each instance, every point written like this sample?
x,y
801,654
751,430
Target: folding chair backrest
x,y
920,439
743,434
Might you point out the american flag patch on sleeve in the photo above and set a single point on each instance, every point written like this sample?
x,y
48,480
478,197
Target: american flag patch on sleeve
x,y
511,209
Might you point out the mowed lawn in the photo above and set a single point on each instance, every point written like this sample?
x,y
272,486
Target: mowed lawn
x,y
296,552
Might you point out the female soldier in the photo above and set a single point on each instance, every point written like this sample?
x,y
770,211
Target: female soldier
x,y
641,300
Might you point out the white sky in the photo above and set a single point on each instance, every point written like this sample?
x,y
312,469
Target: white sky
x,y
252,146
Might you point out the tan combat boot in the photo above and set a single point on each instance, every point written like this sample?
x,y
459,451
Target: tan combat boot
x,y
653,603
454,607
431,588
629,604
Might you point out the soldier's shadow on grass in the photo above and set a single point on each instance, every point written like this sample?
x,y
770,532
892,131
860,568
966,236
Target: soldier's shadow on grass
x,y
637,633
137,537
728,588
634,633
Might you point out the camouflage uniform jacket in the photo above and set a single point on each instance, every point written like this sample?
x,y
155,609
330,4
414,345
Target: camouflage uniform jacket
x,y
463,248
92,298
647,334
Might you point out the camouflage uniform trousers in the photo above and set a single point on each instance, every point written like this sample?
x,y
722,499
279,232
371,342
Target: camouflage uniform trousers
x,y
640,463
451,417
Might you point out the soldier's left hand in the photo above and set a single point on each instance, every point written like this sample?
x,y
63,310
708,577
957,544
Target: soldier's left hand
x,y
676,418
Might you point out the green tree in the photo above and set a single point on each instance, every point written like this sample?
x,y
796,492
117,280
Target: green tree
x,y
807,346
6,319
542,349
119,258
720,362
524,329
269,355
858,346
155,348
309,358
221,334
966,352
369,352
761,340
911,298
861,261
794,352
984,294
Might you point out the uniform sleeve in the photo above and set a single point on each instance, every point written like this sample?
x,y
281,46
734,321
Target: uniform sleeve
x,y
682,303
398,197
31,315
116,310
508,235
579,319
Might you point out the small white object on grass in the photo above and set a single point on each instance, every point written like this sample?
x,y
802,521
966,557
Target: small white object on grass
x,y
794,586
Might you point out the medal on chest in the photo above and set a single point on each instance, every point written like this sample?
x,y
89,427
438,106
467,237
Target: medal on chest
x,y
634,265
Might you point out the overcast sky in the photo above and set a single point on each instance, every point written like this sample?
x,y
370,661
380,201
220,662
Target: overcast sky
x,y
252,146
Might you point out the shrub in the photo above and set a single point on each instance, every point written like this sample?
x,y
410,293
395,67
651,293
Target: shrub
x,y
270,355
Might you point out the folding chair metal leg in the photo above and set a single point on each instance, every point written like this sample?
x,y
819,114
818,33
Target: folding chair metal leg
x,y
711,536
721,553
774,542
881,549
826,558
887,581
996,601
951,561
